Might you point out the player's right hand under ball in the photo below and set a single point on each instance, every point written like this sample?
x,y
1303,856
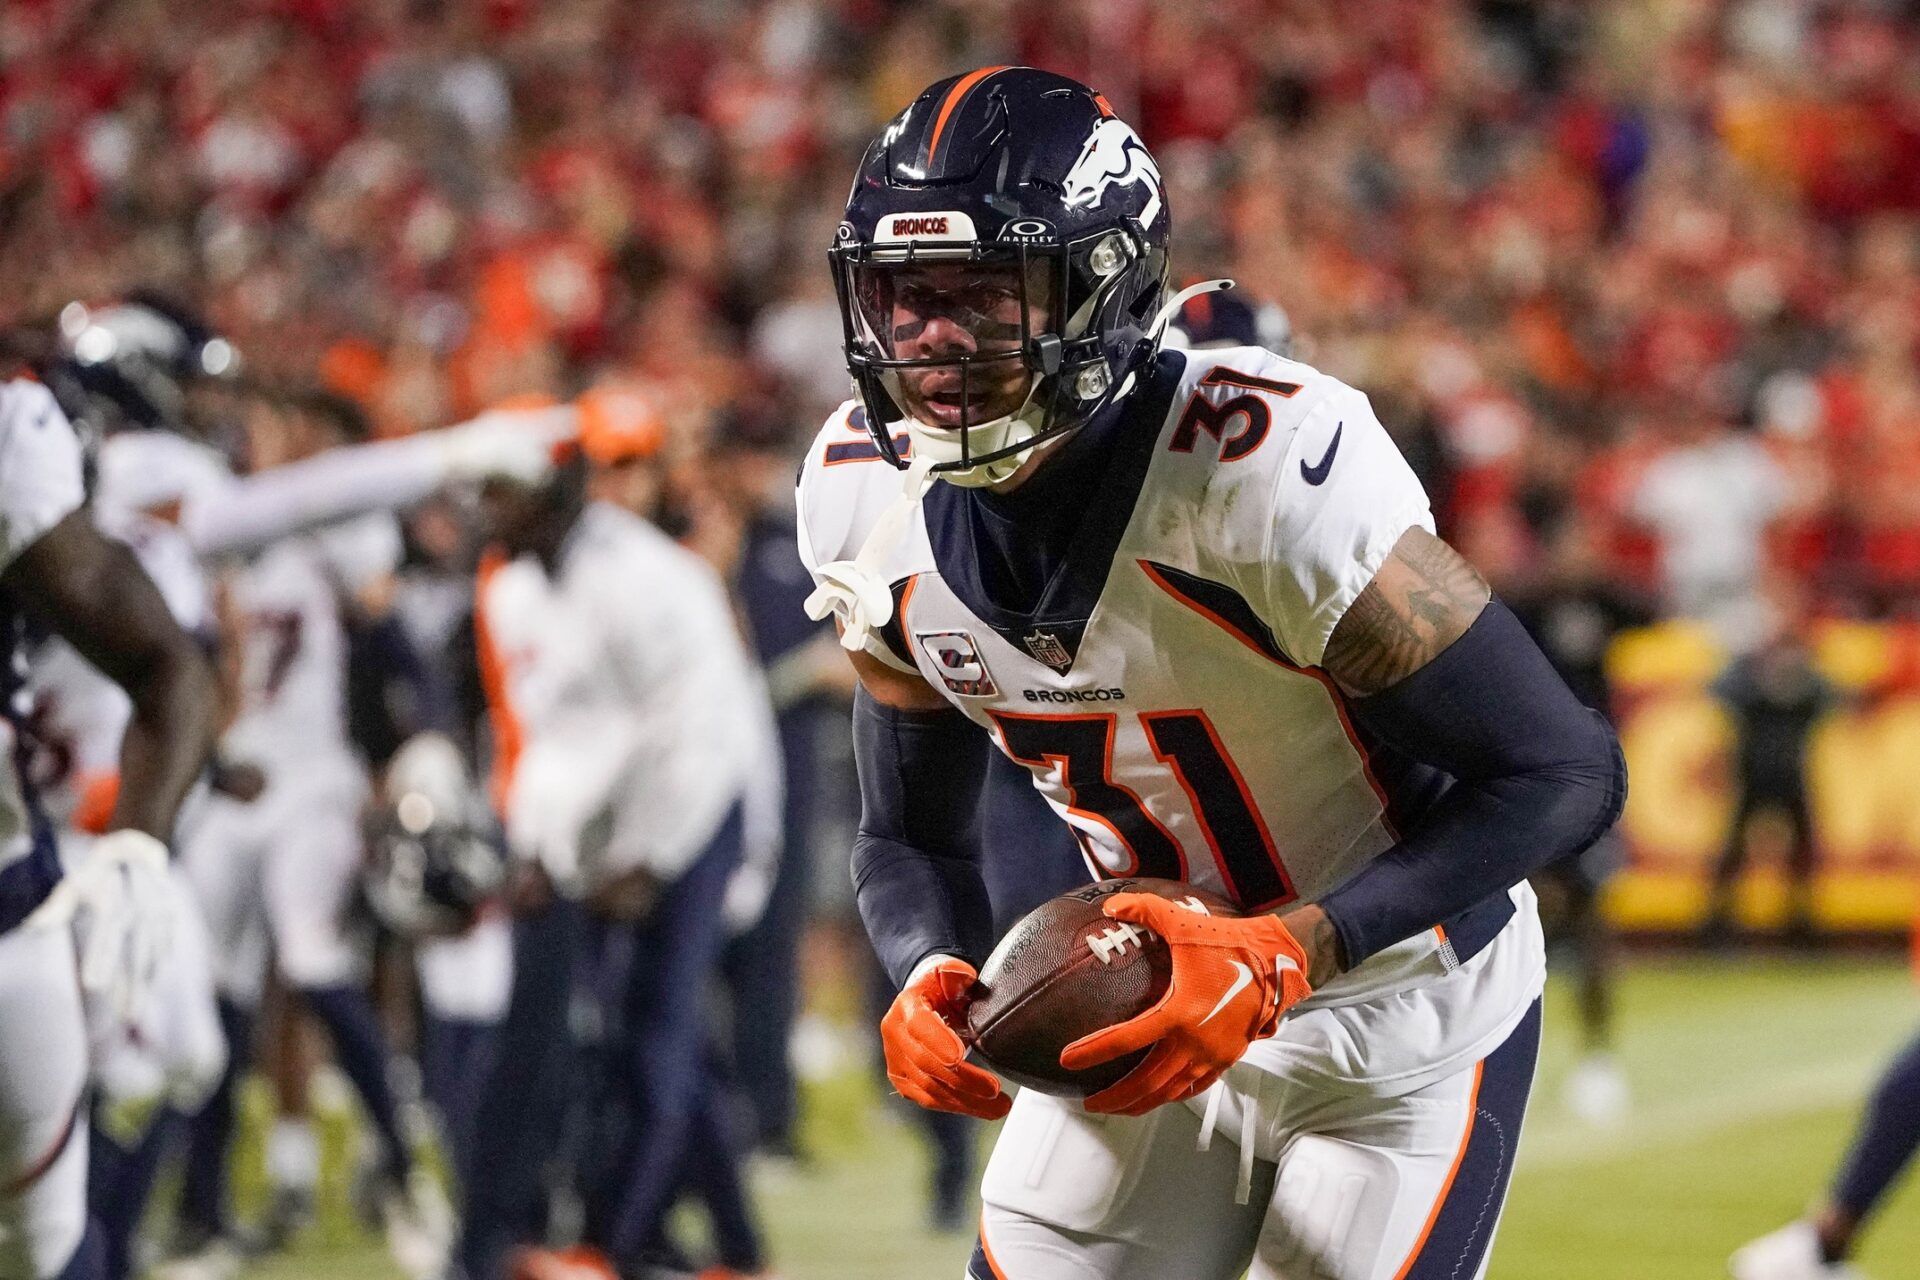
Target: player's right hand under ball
x,y
1233,977
926,1059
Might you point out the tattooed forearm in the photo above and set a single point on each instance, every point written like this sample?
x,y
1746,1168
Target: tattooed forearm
x,y
1422,600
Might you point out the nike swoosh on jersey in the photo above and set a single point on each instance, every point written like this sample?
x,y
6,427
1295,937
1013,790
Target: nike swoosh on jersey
x,y
1240,982
1317,473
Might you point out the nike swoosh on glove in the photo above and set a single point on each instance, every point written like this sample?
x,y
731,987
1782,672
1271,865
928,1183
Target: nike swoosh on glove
x,y
926,1059
117,902
1233,976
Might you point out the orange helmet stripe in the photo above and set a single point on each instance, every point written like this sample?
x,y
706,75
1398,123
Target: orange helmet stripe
x,y
954,96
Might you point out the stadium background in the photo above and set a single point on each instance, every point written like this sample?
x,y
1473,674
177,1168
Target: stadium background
x,y
1637,284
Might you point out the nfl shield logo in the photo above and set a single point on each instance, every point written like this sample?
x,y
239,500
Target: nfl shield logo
x,y
955,656
1046,647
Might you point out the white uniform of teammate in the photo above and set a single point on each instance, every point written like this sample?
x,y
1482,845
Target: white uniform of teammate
x,y
632,699
285,865
1193,736
43,1059
324,524
173,1042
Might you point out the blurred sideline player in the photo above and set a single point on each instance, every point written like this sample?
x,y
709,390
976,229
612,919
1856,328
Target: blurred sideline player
x,y
626,439
60,572
1817,1247
628,727
1199,596
1775,697
146,365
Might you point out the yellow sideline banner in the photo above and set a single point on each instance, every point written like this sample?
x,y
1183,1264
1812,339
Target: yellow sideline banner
x,y
1864,776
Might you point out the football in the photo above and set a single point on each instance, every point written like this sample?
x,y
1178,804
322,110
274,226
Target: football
x,y
1065,971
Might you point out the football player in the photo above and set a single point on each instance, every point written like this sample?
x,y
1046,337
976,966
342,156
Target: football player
x,y
629,727
60,571
1199,597
1817,1248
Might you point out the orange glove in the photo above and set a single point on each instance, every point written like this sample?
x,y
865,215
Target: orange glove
x,y
926,1060
1233,976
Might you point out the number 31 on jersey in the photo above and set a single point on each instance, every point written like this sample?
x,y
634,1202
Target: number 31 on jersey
x,y
1081,748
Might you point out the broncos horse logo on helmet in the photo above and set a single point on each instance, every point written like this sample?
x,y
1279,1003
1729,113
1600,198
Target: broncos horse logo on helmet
x,y
1113,155
1000,269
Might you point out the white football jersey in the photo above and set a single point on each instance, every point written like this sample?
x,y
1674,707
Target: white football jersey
x,y
1179,721
623,700
288,602
40,485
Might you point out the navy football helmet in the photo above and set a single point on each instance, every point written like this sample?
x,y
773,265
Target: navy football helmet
x,y
435,857
1000,269
132,365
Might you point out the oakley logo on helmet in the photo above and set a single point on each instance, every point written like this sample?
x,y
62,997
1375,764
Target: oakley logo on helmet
x,y
948,225
1113,155
1027,231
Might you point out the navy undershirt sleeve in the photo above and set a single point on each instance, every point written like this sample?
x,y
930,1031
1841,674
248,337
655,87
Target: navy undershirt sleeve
x,y
1538,777
916,857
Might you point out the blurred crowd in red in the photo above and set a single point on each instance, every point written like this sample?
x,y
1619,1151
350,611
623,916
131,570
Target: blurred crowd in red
x,y
1641,278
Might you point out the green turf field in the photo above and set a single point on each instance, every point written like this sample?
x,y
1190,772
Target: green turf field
x,y
1746,1074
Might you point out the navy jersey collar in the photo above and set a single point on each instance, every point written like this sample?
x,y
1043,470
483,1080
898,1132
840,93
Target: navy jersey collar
x,y
1032,564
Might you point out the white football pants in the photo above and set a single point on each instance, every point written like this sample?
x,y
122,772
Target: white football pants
x,y
1341,1186
283,868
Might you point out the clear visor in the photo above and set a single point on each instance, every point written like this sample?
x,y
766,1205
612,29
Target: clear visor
x,y
952,337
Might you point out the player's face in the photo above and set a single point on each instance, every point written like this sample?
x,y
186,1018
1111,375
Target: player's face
x,y
512,513
529,518
964,318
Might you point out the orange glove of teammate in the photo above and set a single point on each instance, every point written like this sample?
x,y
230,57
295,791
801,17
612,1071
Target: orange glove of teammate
x,y
926,1060
1233,976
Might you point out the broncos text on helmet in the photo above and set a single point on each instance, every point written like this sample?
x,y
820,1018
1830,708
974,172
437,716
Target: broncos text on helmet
x,y
1000,269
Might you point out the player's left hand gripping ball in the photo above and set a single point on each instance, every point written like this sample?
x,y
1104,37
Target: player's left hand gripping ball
x,y
926,1059
1232,979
